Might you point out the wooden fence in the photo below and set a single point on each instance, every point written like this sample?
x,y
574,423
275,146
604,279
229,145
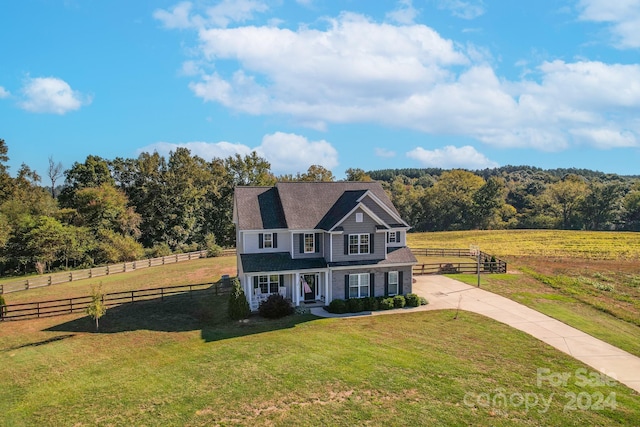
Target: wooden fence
x,y
486,263
59,307
125,267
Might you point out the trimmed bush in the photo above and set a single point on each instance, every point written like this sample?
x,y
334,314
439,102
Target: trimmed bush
x,y
423,301
386,304
275,307
238,307
356,305
337,306
413,300
399,301
371,304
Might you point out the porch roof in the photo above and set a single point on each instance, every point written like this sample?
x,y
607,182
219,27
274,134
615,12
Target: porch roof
x,y
278,261
401,255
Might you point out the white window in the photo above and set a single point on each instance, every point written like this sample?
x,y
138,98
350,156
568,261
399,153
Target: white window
x,y
359,285
267,240
393,283
358,216
309,243
268,284
394,237
358,244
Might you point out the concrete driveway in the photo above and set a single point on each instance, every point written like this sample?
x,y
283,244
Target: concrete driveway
x,y
444,293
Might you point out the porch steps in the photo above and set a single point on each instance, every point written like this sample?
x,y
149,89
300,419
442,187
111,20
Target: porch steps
x,y
312,304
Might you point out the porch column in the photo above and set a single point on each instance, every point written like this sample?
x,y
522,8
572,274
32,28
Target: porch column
x,y
296,290
326,287
248,288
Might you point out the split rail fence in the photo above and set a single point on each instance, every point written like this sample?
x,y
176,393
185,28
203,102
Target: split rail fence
x,y
108,270
59,307
471,267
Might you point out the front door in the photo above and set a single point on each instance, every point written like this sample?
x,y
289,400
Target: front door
x,y
309,286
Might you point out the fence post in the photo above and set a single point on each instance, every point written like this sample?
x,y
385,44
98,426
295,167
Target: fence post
x,y
38,309
107,270
134,265
177,258
124,267
1,289
162,260
70,305
70,277
161,294
49,280
26,286
90,273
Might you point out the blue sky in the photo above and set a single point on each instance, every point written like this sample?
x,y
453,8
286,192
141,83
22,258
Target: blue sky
x,y
354,83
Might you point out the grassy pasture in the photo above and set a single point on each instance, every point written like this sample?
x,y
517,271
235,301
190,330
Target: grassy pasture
x,y
590,245
182,363
205,270
589,280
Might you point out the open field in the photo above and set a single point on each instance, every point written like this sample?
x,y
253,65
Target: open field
x,y
182,363
206,270
592,245
597,292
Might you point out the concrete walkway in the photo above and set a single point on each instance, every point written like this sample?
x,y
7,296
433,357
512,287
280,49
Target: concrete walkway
x,y
445,293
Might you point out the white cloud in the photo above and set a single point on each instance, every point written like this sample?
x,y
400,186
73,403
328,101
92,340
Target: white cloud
x,y
287,152
623,16
451,157
177,17
51,95
222,14
383,152
4,93
356,70
206,150
404,14
463,9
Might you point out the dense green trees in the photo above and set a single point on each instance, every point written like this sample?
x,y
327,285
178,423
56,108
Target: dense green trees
x,y
123,209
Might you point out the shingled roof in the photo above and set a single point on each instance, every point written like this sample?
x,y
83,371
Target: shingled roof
x,y
302,205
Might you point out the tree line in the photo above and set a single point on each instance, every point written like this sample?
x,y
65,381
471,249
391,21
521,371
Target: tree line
x,y
109,211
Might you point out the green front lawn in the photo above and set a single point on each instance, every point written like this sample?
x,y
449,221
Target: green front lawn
x,y
182,363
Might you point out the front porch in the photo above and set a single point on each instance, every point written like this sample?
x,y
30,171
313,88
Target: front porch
x,y
299,287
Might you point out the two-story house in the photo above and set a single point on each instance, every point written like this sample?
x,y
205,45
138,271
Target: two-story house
x,y
313,242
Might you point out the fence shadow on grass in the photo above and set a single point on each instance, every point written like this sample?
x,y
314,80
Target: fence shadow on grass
x,y
202,310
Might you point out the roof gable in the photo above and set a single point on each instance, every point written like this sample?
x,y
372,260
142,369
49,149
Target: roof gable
x,y
305,205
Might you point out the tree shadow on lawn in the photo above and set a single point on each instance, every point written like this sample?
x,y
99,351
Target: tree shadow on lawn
x,y
201,310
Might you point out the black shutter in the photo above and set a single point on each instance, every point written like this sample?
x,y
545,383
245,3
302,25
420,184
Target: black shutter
x,y
281,280
260,241
275,240
400,290
302,243
388,235
372,245
372,285
397,237
386,284
346,286
255,282
317,242
346,244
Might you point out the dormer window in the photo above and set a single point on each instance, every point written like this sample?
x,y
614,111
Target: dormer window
x,y
393,237
267,240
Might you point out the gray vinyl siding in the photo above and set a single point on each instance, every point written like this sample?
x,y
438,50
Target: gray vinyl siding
x,y
367,226
296,247
252,246
326,246
380,213
338,282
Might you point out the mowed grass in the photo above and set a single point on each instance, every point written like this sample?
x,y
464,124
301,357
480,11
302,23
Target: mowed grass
x,y
182,363
206,270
